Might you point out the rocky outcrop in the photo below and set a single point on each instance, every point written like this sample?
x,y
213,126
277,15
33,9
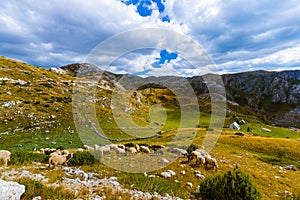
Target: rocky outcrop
x,y
273,95
257,87
11,190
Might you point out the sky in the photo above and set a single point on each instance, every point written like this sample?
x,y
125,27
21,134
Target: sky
x,y
237,35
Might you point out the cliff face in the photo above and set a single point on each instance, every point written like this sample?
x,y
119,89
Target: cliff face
x,y
253,88
273,95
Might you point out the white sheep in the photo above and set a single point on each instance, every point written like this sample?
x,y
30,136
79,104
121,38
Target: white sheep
x,y
178,151
65,152
122,146
113,147
131,150
202,152
200,159
211,161
137,148
56,160
55,153
87,147
5,156
144,149
104,150
120,151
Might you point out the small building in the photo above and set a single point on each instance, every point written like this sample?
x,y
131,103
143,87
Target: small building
x,y
235,126
265,129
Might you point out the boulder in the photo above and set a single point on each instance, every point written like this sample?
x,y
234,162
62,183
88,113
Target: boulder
x,y
11,190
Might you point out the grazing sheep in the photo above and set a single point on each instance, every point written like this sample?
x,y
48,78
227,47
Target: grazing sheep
x,y
211,161
87,147
5,156
131,150
97,147
120,151
202,152
56,160
48,151
144,149
104,150
157,147
137,148
42,151
179,151
200,159
159,152
121,146
55,153
113,147
65,152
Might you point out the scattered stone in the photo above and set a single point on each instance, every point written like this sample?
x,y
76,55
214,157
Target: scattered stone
x,y
189,184
166,174
200,176
164,161
197,172
171,172
290,167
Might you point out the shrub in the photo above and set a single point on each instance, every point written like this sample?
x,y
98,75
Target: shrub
x,y
232,185
25,157
191,148
84,158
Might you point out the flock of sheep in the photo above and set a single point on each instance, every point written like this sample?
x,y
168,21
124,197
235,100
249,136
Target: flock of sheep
x,y
200,155
61,157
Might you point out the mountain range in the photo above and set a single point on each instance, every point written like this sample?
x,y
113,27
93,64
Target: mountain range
x,y
274,97
38,94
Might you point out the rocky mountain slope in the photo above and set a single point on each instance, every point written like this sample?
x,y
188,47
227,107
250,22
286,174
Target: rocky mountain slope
x,y
272,96
27,92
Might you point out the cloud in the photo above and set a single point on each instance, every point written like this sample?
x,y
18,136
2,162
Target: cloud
x,y
286,57
235,34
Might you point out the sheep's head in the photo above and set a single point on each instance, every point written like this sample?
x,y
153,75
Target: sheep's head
x,y
69,156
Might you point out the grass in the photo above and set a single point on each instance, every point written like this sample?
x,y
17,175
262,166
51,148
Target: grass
x,y
36,188
151,185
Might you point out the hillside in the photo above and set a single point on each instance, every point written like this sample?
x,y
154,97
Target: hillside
x,y
273,97
38,108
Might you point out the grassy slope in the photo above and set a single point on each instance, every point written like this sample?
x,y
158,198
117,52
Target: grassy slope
x,y
49,94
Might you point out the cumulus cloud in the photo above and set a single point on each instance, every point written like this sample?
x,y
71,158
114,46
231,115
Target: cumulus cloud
x,y
235,34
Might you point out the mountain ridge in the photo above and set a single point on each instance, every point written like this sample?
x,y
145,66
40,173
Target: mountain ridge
x,y
274,97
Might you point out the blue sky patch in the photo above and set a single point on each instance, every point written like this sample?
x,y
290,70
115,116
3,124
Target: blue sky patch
x,y
145,7
166,18
165,57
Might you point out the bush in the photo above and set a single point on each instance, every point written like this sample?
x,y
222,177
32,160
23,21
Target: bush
x,y
83,158
232,185
25,157
191,148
